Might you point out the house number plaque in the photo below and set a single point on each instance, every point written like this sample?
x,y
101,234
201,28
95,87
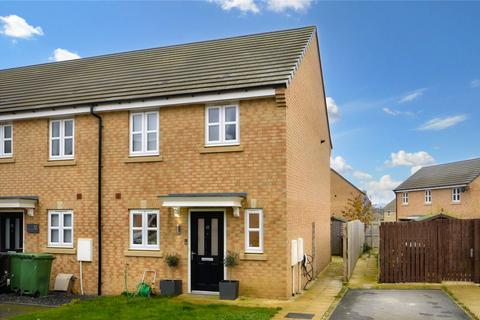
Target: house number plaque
x,y
33,228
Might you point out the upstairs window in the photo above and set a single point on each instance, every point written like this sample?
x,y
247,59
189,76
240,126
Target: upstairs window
x,y
222,125
144,133
456,195
62,140
428,196
254,231
405,198
60,228
6,140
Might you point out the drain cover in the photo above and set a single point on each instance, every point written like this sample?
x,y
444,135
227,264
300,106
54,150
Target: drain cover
x,y
294,315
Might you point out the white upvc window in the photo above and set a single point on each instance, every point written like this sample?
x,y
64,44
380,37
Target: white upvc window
x,y
60,228
254,230
456,195
405,198
428,196
62,139
6,141
222,125
144,133
145,229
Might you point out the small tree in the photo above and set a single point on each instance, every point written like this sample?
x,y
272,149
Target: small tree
x,y
230,261
359,208
172,261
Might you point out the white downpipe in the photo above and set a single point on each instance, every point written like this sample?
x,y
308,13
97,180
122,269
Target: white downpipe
x,y
81,278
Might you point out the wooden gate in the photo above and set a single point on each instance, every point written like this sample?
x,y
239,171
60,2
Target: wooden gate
x,y
430,251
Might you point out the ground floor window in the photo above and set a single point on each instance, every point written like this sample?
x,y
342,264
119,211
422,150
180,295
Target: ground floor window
x,y
254,230
145,229
60,228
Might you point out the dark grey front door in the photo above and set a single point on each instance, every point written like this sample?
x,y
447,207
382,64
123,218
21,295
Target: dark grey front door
x,y
11,232
207,245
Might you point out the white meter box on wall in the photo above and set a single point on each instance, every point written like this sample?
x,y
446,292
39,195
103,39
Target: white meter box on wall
x,y
85,250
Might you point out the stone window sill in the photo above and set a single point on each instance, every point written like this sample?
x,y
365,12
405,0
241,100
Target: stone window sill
x,y
60,163
143,253
7,160
219,149
254,256
143,159
56,250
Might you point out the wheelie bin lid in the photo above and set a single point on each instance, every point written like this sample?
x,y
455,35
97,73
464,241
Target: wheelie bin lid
x,y
31,255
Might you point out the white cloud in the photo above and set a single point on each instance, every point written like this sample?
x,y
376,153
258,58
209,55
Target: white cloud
x,y
60,54
340,165
380,191
475,83
414,160
443,123
17,27
242,5
393,112
333,110
412,95
283,5
363,176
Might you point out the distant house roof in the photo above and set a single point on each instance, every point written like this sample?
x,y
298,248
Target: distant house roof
x,y
266,60
459,173
391,206
345,179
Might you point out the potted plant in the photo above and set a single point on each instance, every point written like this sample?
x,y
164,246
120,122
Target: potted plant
x,y
171,287
229,288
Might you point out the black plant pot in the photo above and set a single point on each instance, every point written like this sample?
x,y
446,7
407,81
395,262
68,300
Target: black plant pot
x,y
170,287
229,289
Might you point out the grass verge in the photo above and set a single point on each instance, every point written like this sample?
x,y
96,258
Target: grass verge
x,y
121,307
463,306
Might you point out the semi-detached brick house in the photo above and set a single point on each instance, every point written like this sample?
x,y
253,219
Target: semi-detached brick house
x,y
206,147
449,188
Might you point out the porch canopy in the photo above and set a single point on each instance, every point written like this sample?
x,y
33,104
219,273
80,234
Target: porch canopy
x,y
27,203
205,200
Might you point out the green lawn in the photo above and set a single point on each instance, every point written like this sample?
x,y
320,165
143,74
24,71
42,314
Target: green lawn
x,y
121,307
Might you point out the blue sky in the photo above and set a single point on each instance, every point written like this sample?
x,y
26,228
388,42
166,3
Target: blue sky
x,y
403,79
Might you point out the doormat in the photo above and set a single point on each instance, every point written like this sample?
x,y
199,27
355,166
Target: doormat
x,y
294,315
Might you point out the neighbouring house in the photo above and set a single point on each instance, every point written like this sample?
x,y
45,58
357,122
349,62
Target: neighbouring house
x,y
192,149
451,188
390,211
342,191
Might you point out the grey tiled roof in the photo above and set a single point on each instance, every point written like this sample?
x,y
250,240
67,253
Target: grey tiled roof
x,y
252,61
443,175
391,206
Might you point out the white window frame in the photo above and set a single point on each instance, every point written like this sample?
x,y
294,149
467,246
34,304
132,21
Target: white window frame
x,y
61,139
144,228
405,198
456,195
3,139
428,196
248,248
222,124
144,133
61,243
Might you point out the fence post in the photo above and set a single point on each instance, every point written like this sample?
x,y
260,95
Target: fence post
x,y
345,251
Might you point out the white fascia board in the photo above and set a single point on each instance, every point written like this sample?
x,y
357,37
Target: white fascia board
x,y
183,202
432,188
147,104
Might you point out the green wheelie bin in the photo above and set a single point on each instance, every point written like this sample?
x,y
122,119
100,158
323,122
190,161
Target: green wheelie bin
x,y
30,273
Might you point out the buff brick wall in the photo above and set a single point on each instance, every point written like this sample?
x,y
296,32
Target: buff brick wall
x,y
468,208
341,192
308,161
56,187
259,170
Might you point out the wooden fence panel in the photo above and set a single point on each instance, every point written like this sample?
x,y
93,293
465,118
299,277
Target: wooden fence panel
x,y
430,251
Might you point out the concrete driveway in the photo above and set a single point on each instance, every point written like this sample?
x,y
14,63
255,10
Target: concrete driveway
x,y
366,304
9,310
